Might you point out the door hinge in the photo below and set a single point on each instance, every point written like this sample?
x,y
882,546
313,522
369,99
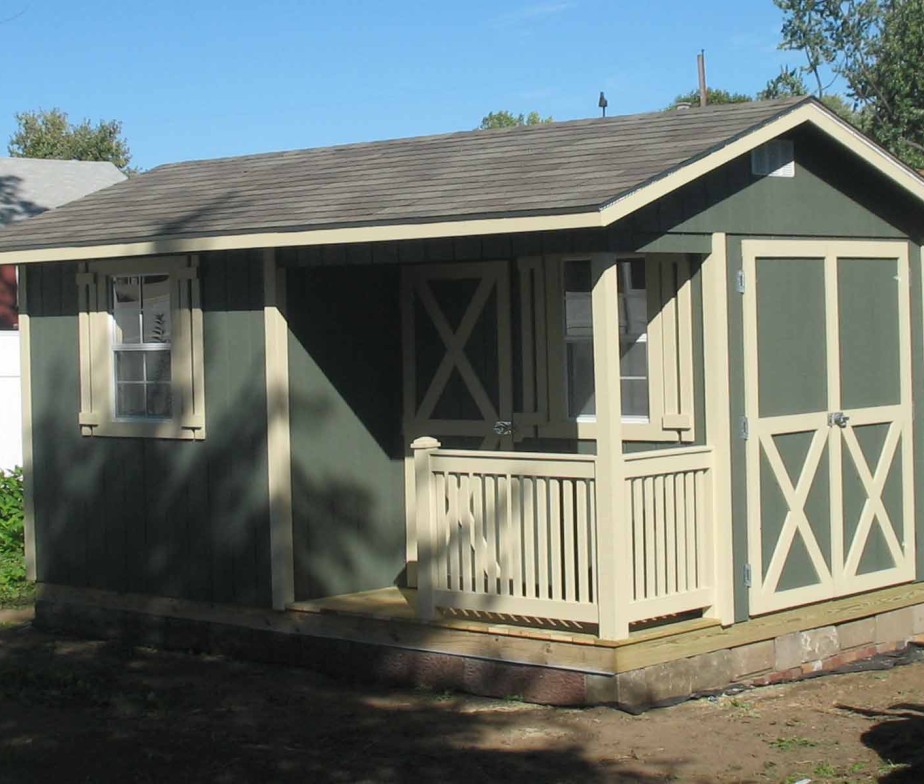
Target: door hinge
x,y
739,281
743,431
747,575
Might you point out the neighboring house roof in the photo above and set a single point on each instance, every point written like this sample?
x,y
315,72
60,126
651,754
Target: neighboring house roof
x,y
30,186
584,173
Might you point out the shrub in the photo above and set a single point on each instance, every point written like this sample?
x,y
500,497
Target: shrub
x,y
13,585
11,512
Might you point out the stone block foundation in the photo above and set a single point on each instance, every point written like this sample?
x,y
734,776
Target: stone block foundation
x,y
557,671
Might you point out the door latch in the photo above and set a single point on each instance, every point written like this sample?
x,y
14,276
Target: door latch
x,y
503,427
838,419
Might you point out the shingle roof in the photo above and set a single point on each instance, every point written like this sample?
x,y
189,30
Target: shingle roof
x,y
534,170
30,186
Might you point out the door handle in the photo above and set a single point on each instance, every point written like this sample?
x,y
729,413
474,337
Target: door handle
x,y
838,419
503,427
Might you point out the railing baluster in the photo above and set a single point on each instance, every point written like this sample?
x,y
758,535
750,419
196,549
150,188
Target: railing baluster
x,y
583,490
670,525
638,535
570,576
680,501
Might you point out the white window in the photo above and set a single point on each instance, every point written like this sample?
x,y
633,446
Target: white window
x,y
655,346
141,349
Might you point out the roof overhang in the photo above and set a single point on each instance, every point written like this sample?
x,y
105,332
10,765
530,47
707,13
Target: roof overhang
x,y
809,112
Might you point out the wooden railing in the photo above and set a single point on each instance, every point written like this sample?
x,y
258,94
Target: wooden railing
x,y
669,511
507,533
515,533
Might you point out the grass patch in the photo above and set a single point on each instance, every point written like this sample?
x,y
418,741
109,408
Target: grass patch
x,y
788,744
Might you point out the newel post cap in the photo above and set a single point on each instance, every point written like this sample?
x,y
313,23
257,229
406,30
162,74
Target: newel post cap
x,y
425,442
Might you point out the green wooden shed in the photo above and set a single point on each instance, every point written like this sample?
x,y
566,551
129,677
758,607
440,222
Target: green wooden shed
x,y
590,385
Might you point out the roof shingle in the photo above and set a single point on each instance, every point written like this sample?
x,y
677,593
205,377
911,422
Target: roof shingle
x,y
534,170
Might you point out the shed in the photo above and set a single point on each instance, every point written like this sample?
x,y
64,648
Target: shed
x,y
597,382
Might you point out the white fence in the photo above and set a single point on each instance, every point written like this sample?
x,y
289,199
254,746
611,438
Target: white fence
x,y
10,401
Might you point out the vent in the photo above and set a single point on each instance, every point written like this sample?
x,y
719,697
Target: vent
x,y
774,159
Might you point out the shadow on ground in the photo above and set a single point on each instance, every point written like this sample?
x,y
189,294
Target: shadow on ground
x,y
898,739
90,711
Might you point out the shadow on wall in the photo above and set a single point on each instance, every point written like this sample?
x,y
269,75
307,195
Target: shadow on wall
x,y
189,519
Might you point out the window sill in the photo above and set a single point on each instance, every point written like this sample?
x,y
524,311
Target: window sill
x,y
160,430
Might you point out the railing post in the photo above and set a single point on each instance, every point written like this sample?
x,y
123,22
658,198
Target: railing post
x,y
426,526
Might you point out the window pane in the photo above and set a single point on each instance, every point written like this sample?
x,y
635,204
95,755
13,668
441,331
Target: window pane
x,y
634,359
130,400
578,315
633,338
126,309
160,400
580,359
157,365
635,398
156,308
129,366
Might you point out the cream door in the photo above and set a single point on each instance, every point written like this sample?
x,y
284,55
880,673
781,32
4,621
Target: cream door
x,y
828,419
457,354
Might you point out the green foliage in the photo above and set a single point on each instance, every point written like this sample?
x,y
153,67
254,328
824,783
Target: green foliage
x,y
50,134
505,119
877,48
13,585
712,97
788,82
892,88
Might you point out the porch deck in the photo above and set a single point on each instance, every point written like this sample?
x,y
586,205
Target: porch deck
x,y
389,614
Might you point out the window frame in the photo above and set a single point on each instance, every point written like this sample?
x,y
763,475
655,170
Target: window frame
x,y
669,347
97,350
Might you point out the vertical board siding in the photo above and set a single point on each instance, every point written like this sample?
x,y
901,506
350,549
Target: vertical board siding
x,y
172,518
345,377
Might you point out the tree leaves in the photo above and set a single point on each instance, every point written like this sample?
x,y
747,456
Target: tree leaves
x,y
50,134
505,119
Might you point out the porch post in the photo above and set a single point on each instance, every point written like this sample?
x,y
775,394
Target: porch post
x,y
718,423
278,445
426,539
614,545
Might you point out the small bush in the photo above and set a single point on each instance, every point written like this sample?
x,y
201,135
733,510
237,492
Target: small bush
x,y
13,585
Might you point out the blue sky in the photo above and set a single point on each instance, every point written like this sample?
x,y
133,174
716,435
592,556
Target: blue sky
x,y
203,78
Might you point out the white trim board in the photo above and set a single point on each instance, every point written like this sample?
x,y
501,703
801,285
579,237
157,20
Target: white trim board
x,y
811,112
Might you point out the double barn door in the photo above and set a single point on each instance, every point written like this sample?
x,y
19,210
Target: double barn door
x,y
828,419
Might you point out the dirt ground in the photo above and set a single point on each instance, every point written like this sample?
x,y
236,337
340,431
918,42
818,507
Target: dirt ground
x,y
77,711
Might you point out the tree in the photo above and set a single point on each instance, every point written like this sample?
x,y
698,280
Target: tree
x,y
49,134
789,83
877,48
892,87
505,119
712,97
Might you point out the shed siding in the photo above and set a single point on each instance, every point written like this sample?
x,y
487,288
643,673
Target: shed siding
x,y
347,447
170,518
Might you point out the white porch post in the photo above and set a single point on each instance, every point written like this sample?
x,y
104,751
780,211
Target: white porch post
x,y
426,544
278,436
614,546
718,423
